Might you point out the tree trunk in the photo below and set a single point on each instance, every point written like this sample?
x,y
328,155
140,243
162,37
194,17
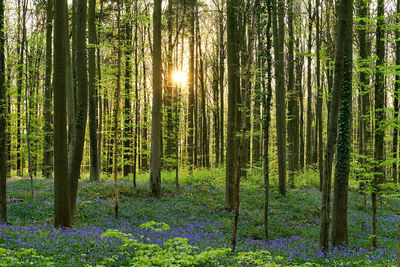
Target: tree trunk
x,y
79,127
343,147
280,93
292,103
319,99
155,168
116,115
343,51
47,164
233,90
379,117
128,118
309,89
267,119
94,166
3,124
221,80
190,141
396,98
62,208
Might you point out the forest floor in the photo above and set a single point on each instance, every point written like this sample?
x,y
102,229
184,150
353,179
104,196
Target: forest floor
x,y
195,212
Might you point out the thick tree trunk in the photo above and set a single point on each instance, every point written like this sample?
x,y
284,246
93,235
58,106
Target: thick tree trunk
x,y
62,208
343,147
343,54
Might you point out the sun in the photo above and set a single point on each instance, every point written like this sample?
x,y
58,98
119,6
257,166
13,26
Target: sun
x,y
179,77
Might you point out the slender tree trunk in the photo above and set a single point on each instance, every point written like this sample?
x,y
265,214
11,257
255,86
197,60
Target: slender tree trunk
x,y
137,101
279,37
190,141
128,118
145,111
99,91
379,117
3,123
155,168
221,81
94,166
233,91
116,114
293,101
47,164
309,89
79,127
267,119
319,98
62,208
20,76
396,97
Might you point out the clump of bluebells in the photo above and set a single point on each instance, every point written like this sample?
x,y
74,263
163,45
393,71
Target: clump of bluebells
x,y
187,226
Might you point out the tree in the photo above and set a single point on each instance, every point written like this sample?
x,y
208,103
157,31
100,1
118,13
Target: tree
x,y
233,90
155,168
190,145
343,146
128,129
342,81
293,135
309,89
267,119
47,164
79,125
396,97
94,161
62,208
318,135
3,123
116,114
379,116
280,93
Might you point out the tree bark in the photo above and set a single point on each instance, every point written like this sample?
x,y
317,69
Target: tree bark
x,y
309,89
280,93
343,51
94,166
3,124
155,168
292,103
62,208
343,147
79,126
379,117
267,119
233,90
47,149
